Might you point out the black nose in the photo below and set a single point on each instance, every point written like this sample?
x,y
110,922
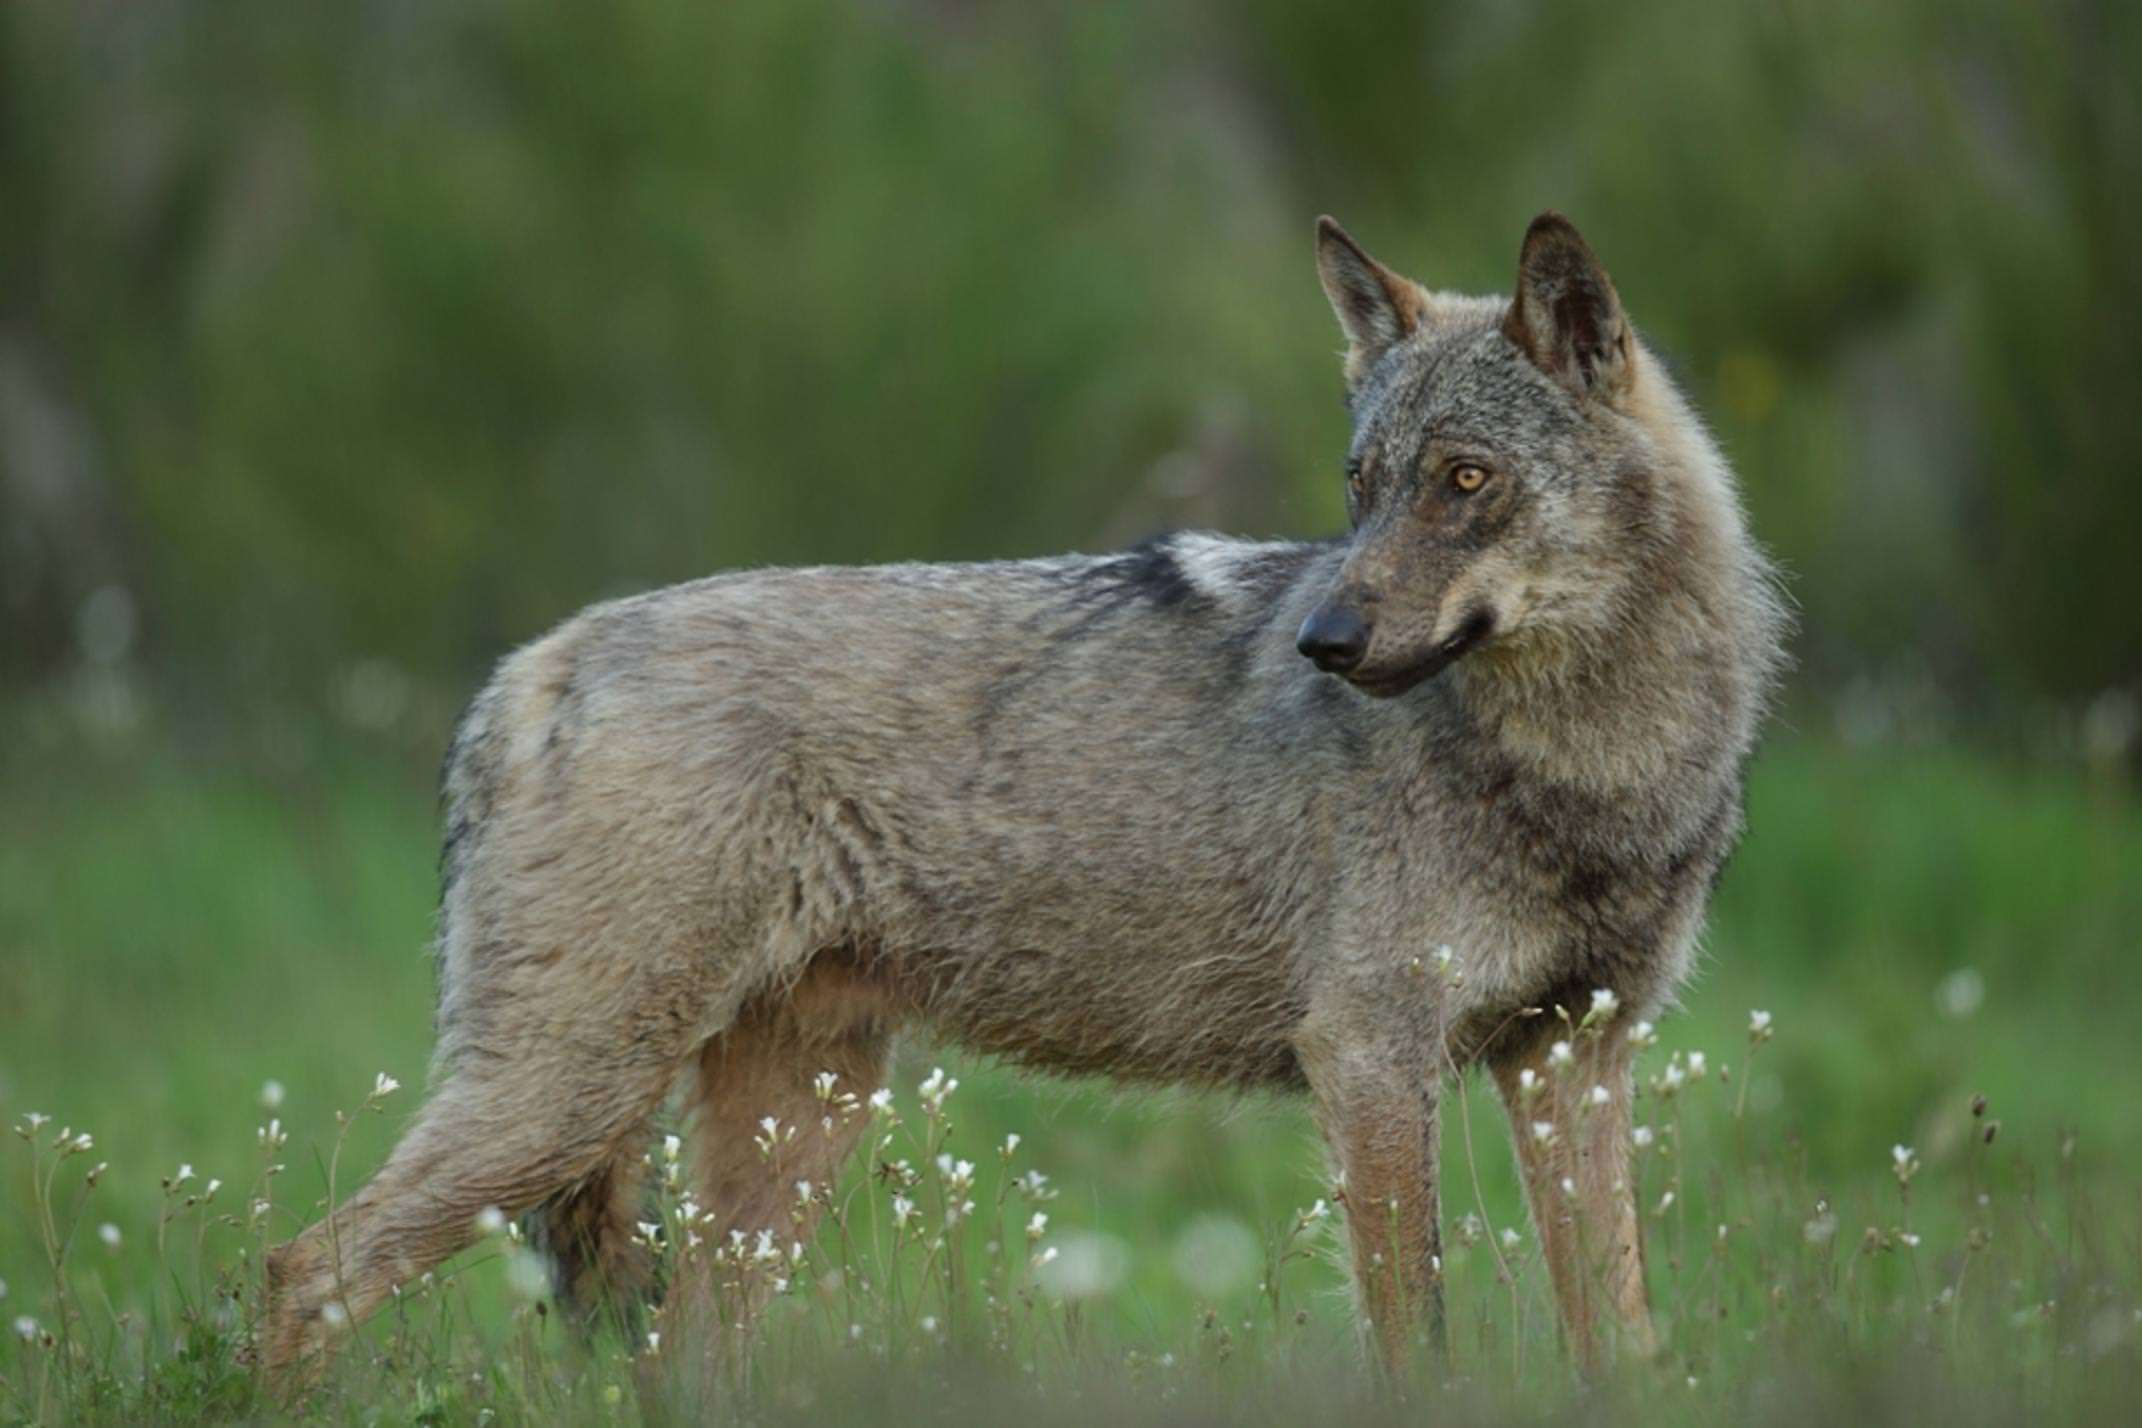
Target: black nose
x,y
1334,639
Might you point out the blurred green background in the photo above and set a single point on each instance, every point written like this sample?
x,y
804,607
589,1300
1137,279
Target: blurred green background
x,y
344,347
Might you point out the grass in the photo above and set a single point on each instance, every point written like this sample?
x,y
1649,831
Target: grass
x,y
1925,927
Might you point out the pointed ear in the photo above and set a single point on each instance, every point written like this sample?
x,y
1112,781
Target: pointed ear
x,y
1566,316
1376,307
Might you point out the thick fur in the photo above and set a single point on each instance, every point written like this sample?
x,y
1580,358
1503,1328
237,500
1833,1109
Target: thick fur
x,y
1097,815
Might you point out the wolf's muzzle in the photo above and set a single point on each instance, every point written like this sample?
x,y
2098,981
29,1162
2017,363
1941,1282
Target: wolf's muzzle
x,y
1333,638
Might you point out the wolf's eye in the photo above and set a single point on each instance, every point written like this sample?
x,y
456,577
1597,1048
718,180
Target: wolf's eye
x,y
1468,478
1355,487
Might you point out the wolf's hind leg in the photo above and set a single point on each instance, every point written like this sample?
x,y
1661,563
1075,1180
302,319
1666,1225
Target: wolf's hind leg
x,y
496,1133
750,1179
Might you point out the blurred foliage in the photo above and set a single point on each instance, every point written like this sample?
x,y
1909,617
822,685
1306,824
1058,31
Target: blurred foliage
x,y
399,330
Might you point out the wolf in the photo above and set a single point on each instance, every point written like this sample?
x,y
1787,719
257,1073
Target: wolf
x,y
1344,817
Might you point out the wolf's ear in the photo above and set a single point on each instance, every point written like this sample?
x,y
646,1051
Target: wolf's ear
x,y
1376,307
1566,316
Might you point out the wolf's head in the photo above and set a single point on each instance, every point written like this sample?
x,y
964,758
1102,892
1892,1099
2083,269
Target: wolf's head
x,y
1504,468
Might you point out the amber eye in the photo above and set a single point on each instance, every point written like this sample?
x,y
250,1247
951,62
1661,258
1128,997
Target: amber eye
x,y
1468,478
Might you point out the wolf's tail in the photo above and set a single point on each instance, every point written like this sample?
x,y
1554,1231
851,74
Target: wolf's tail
x,y
601,1270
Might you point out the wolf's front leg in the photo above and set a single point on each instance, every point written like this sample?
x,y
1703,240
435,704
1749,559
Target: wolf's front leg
x,y
1571,1118
1376,1099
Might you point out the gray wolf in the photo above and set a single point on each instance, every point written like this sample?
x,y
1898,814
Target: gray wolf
x,y
1199,812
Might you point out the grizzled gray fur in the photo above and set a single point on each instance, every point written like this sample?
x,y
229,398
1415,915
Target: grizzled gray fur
x,y
1200,812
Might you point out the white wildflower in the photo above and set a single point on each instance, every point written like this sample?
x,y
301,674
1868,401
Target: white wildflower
x,y
1037,1227
1011,1143
1642,1137
672,1148
1511,1239
1604,1005
1528,1083
1697,1066
109,1233
822,1085
1759,1025
384,1085
25,1328
490,1220
1643,1034
1543,1131
1569,1187
881,1099
271,1095
935,1087
1601,1096
903,1210
654,1341
1560,1055
185,1173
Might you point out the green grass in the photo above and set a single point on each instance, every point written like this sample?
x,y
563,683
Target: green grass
x,y
174,934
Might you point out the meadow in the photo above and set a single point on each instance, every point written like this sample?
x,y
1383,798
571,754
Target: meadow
x,y
1913,1188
